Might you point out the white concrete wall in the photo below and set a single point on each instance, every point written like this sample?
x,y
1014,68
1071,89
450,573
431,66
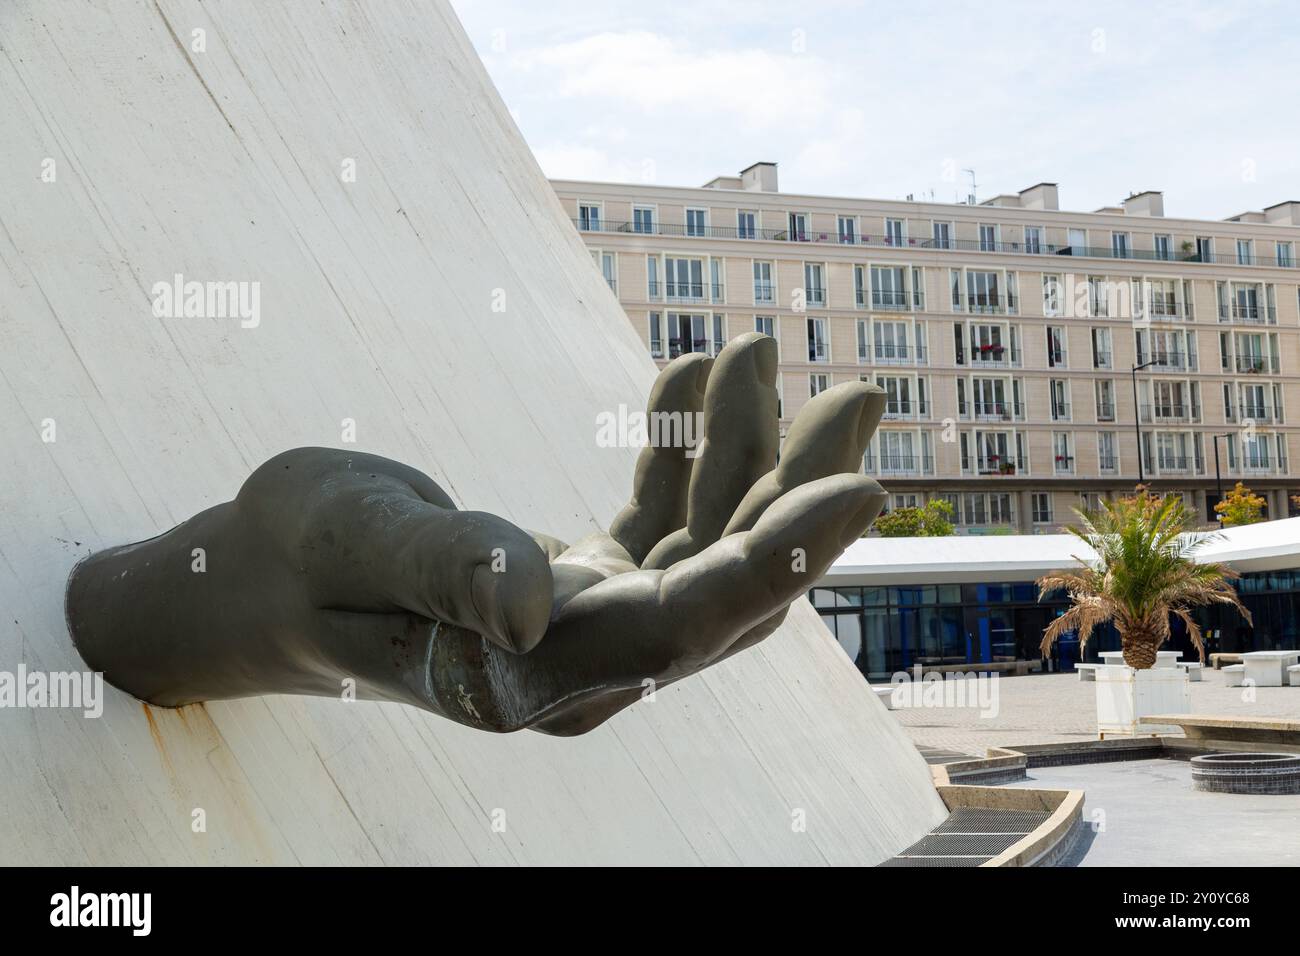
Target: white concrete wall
x,y
376,306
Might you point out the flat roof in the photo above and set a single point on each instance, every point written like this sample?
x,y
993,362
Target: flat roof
x,y
976,559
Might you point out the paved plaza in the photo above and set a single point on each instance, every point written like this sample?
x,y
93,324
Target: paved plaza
x,y
1052,708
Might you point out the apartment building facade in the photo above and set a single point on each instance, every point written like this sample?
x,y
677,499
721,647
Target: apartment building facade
x,y
1035,359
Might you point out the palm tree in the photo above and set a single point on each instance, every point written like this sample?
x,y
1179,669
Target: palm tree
x,y
1144,572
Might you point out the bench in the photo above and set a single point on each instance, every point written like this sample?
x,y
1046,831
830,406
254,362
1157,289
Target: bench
x,y
1234,675
1193,669
1221,660
1293,675
1087,671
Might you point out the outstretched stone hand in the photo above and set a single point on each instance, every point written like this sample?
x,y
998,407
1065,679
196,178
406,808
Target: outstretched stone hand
x,y
334,572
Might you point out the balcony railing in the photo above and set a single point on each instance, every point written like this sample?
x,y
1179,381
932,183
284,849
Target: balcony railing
x,y
764,293
1168,361
905,409
815,295
1164,310
1100,359
991,411
1060,411
1108,464
1259,465
1105,411
1176,464
679,346
888,464
1253,413
994,465
1171,412
883,241
1255,364
1247,314
1063,464
900,354
985,304
886,300
992,355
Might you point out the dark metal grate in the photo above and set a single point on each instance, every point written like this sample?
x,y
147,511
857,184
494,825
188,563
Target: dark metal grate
x,y
970,836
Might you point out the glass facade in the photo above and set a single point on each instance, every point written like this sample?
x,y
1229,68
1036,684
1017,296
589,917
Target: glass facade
x,y
889,629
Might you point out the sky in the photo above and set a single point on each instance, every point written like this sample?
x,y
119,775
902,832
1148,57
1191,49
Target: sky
x,y
1199,99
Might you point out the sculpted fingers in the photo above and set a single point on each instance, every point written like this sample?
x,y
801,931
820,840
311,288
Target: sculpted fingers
x,y
663,469
739,446
829,436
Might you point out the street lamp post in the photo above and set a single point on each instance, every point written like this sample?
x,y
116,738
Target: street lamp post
x,y
1137,419
1218,479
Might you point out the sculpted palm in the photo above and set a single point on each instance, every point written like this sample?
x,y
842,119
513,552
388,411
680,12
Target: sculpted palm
x,y
1144,572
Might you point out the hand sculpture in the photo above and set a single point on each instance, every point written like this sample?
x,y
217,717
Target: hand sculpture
x,y
331,565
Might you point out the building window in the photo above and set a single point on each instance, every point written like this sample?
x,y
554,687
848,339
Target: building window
x,y
695,222
745,228
798,227
652,278
1060,393
1119,245
988,238
1101,352
1105,400
1033,239
765,325
1051,295
942,233
1062,455
1042,507
1204,249
1107,457
1164,246
813,284
589,217
764,290
656,335
818,382
848,229
643,219
818,349
1055,347
1245,255
1286,255
894,229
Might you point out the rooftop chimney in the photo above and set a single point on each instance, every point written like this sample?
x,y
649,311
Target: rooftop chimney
x,y
760,176
1283,213
1042,196
1149,203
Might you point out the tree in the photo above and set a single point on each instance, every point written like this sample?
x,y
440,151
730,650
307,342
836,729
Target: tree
x,y
1240,506
1144,572
933,520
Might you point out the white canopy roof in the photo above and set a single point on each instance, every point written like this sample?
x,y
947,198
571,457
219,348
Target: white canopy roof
x,y
1266,546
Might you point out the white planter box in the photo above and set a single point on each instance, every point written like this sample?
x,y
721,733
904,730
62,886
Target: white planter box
x,y
1125,695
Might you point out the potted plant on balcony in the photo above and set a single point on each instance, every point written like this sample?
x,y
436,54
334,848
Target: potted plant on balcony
x,y
1144,573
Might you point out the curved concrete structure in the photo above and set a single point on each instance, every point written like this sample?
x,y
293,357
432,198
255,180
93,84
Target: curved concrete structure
x,y
439,309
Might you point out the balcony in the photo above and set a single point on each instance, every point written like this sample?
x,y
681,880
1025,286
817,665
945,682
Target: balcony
x,y
1259,465
1063,465
900,354
1105,411
1171,412
906,410
1108,464
889,464
994,465
883,300
1165,310
1247,314
1176,465
985,304
1253,413
991,356
753,233
1168,361
1255,364
991,411
679,346
815,296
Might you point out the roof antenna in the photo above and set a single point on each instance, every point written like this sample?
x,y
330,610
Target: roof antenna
x,y
970,200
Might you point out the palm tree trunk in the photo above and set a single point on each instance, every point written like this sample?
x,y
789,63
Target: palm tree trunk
x,y
1139,645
